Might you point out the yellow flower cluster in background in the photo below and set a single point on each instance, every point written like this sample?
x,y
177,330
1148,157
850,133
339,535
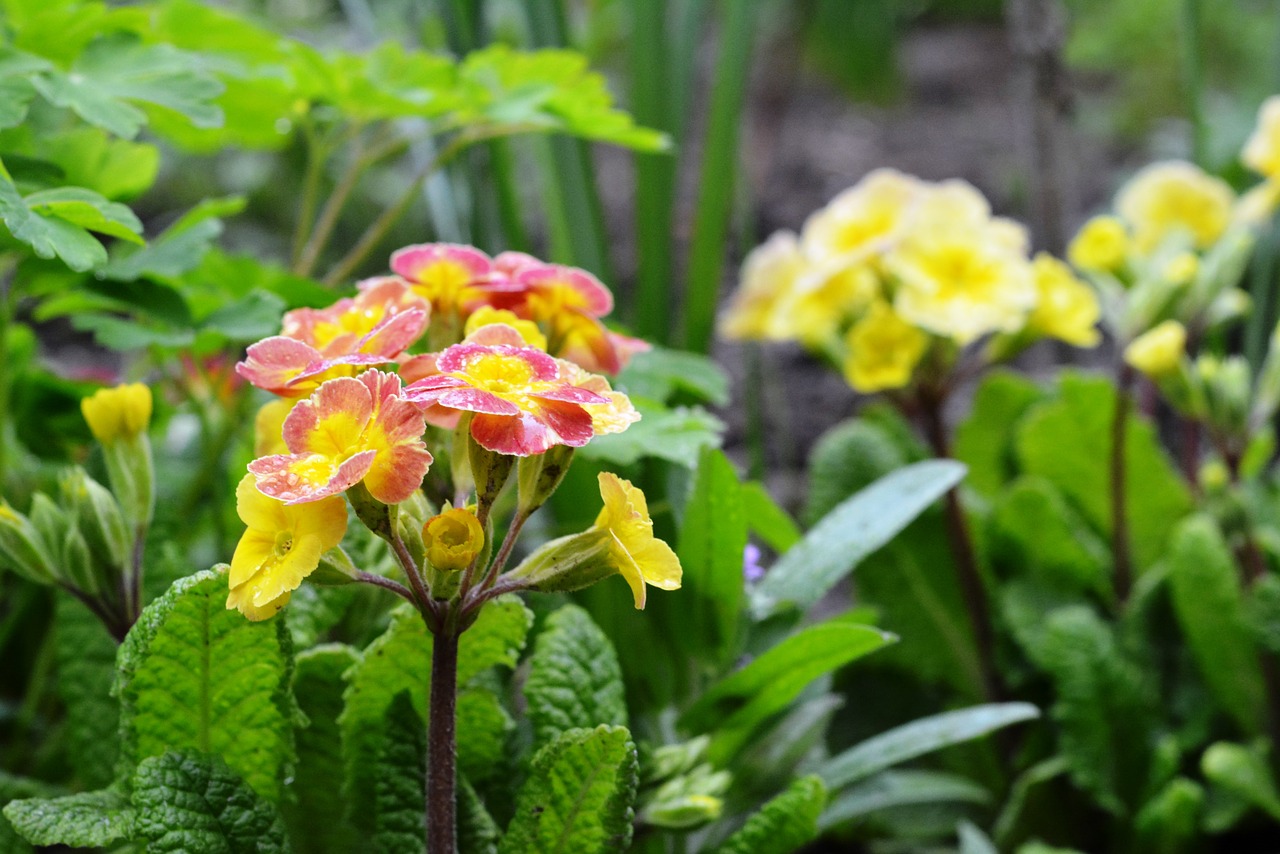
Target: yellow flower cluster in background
x,y
897,267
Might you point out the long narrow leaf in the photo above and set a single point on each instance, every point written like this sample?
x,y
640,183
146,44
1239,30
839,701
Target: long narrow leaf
x,y
901,788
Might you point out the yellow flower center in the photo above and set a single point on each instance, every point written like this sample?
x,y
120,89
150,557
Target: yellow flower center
x,y
500,374
283,544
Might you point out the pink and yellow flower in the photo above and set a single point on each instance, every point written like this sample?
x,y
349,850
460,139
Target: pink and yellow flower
x,y
454,279
281,547
352,335
520,400
352,429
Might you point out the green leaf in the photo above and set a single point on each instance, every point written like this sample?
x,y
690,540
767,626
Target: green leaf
x,y
89,157
1209,602
784,824
850,532
578,795
1068,441
86,656
713,537
400,660
973,840
575,681
318,687
115,74
179,248
189,802
477,832
984,441
1243,772
848,458
901,788
86,820
250,318
399,825
917,738
1171,820
1034,531
193,676
767,520
88,210
677,435
659,374
740,702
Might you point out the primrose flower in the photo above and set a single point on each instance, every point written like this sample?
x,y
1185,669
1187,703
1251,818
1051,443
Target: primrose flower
x,y
1262,150
822,298
1158,351
641,558
520,400
1182,268
268,428
281,547
1067,308
1174,197
769,273
117,413
352,429
1100,246
863,219
453,538
883,350
486,315
961,283
614,415
453,278
349,336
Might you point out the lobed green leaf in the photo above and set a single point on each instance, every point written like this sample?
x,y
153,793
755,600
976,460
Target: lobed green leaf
x,y
574,680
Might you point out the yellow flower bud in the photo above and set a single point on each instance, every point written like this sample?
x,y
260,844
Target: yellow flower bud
x,y
1262,150
1100,246
1182,268
1158,351
120,412
453,538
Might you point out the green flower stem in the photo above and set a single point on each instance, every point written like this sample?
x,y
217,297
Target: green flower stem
x,y
504,552
420,594
1119,512
332,209
442,743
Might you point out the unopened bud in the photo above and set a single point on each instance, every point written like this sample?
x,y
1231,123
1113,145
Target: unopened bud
x,y
453,539
335,569
22,549
540,475
568,563
117,413
99,518
78,564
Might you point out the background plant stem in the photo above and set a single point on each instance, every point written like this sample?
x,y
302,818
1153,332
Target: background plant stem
x,y
442,744
1120,551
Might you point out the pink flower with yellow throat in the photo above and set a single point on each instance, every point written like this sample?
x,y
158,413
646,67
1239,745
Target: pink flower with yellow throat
x,y
454,279
352,429
521,400
353,334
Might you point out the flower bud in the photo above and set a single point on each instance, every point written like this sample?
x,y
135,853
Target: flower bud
x,y
22,549
118,418
453,539
377,517
489,469
1158,351
118,413
568,563
335,569
50,522
99,518
78,564
1100,246
688,800
540,475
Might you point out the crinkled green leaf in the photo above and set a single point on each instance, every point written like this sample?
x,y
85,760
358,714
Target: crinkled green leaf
x,y
85,820
919,737
578,796
477,831
1209,602
658,374
114,75
86,656
318,687
847,458
1067,440
901,788
850,532
984,441
189,802
713,537
677,435
194,676
736,705
400,781
574,679
1033,530
784,824
400,660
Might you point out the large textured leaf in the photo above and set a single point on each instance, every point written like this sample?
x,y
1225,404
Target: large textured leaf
x,y
713,537
677,435
86,820
400,660
847,458
574,680
782,825
400,774
658,374
984,441
1209,602
189,802
918,738
1033,530
86,668
193,676
578,797
736,705
1067,441
853,530
901,788
318,687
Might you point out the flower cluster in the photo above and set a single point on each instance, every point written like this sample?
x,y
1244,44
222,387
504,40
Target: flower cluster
x,y
897,272
502,353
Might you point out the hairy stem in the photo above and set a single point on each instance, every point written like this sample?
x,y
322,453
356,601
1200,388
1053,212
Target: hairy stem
x,y
442,743
1120,549
387,584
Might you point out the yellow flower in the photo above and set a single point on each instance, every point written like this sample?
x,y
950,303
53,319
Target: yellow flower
x,y
1258,204
769,273
813,311
116,413
862,219
952,204
1262,150
883,350
281,547
486,315
268,428
453,538
640,556
1159,350
1100,246
1067,308
1173,197
962,283
1182,268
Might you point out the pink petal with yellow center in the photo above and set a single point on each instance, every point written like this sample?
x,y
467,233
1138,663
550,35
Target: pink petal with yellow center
x,y
331,420
570,394
477,400
299,478
510,263
497,334
568,287
394,334
418,367
502,363
569,421
521,435
273,362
